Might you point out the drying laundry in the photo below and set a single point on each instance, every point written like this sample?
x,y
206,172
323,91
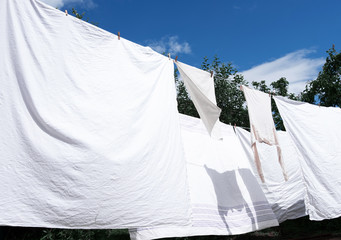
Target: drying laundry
x,y
225,196
261,122
286,197
200,86
262,125
90,133
317,134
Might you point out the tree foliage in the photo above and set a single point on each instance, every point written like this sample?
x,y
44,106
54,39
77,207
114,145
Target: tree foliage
x,y
279,87
326,88
261,86
81,16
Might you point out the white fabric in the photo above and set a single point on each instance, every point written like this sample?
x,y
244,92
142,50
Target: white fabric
x,y
225,196
286,197
200,86
90,135
262,126
317,134
260,115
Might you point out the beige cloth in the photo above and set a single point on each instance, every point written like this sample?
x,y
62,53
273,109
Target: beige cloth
x,y
262,126
261,122
200,86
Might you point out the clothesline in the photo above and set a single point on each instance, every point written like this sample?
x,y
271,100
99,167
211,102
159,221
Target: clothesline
x,y
234,126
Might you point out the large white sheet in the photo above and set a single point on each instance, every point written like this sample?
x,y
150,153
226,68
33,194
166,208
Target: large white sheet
x,y
200,86
225,196
90,135
286,197
317,134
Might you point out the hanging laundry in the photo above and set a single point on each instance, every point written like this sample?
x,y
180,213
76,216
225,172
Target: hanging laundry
x,y
225,196
262,125
317,134
90,133
285,197
200,86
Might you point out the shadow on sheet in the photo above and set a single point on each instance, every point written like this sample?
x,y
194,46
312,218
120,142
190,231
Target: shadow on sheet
x,y
229,193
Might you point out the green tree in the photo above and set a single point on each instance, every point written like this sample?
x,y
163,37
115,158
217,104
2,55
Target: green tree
x,y
81,16
326,88
279,87
185,104
261,86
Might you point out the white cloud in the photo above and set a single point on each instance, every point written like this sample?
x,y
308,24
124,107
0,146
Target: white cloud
x,y
170,44
54,3
296,67
61,3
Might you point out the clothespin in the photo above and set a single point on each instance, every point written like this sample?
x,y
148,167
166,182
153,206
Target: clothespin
x,y
66,12
119,35
169,56
176,58
211,73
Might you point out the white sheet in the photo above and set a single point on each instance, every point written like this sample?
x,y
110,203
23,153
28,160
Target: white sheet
x,y
90,135
317,134
225,196
200,86
260,115
286,197
262,126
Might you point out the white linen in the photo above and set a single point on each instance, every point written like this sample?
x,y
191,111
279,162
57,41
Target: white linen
x,y
262,125
225,196
200,86
286,197
90,135
317,134
260,115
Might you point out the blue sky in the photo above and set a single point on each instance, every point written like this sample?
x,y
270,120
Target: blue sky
x,y
264,39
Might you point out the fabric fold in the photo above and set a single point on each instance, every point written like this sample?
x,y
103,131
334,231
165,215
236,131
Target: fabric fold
x,y
316,133
200,86
285,197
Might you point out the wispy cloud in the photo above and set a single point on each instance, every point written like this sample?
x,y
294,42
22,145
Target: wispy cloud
x,y
88,4
297,67
170,44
